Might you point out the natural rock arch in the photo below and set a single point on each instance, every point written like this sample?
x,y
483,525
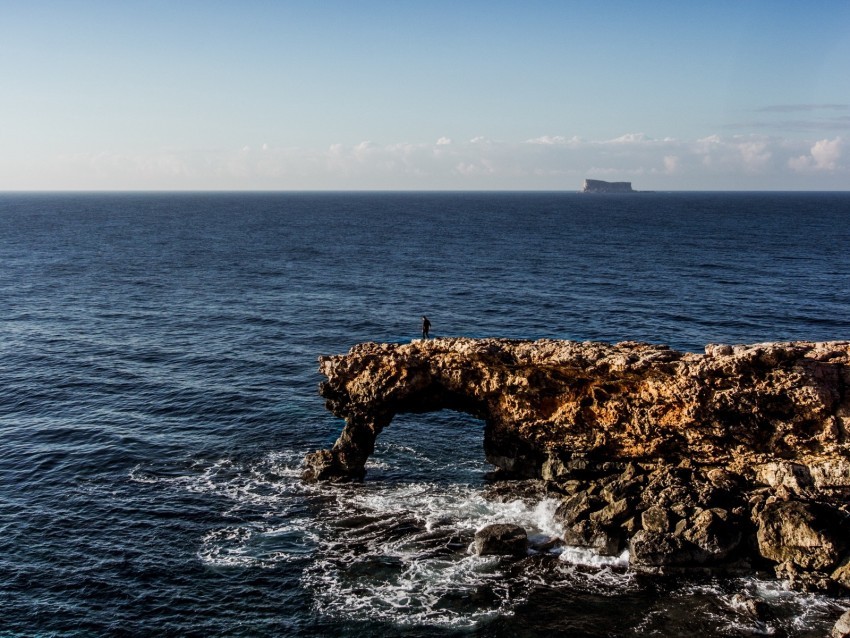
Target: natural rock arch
x,y
356,443
551,405
737,456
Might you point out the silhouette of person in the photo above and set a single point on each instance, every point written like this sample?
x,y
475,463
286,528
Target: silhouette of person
x,y
426,326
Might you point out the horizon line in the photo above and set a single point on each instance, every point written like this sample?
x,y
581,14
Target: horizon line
x,y
395,191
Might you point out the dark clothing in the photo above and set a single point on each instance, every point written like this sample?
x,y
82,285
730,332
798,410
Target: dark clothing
x,y
426,326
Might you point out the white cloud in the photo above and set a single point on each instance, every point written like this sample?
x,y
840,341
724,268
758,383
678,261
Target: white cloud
x,y
822,156
545,162
754,155
554,140
628,138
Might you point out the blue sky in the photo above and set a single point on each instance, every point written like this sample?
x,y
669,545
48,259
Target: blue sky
x,y
424,95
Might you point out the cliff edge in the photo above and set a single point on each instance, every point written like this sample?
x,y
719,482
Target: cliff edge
x,y
738,456
599,186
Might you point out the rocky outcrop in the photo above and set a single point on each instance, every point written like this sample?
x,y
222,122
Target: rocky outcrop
x,y
737,457
600,186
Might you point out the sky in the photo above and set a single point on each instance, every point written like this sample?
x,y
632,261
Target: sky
x,y
402,95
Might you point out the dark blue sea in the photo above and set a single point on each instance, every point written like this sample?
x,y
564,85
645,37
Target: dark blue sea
x,y
158,391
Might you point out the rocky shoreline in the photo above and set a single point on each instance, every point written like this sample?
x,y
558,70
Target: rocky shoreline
x,y
736,459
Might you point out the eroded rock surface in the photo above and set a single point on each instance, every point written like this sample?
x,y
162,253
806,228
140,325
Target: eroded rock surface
x,y
734,457
501,539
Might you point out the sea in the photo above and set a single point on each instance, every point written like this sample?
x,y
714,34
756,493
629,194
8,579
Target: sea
x,y
158,392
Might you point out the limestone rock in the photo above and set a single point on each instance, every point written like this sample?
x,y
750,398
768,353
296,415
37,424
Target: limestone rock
x,y
841,629
713,535
808,535
586,533
555,408
694,460
501,539
656,520
656,549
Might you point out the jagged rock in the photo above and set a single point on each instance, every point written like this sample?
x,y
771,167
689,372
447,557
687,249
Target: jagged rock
x,y
655,549
589,534
795,477
706,538
713,534
740,453
807,535
574,508
612,514
656,519
802,579
841,629
501,539
755,608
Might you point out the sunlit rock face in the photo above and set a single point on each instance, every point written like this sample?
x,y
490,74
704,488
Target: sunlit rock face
x,y
736,455
548,404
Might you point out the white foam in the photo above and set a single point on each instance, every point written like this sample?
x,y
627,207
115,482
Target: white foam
x,y
259,483
433,592
257,545
389,550
459,506
588,558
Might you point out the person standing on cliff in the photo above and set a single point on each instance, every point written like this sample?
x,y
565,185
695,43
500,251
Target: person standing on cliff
x,y
426,326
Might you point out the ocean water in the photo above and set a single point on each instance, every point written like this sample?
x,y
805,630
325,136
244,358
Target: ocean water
x,y
158,391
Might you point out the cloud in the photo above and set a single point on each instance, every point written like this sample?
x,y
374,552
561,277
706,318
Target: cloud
x,y
754,154
802,108
549,162
628,138
554,140
671,164
823,156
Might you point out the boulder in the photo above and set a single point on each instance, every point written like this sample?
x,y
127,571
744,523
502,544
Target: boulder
x,y
656,519
841,629
501,539
808,535
713,534
587,533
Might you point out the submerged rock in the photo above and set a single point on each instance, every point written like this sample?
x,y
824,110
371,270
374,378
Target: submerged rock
x,y
735,456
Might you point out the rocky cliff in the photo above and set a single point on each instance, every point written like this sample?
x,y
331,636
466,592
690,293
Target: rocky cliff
x,y
599,186
735,457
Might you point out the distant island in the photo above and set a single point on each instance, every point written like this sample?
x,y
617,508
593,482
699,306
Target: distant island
x,y
599,186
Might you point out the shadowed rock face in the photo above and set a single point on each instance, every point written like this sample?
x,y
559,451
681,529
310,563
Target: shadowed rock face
x,y
547,404
733,458
599,186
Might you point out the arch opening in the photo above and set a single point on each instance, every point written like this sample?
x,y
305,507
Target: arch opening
x,y
444,446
